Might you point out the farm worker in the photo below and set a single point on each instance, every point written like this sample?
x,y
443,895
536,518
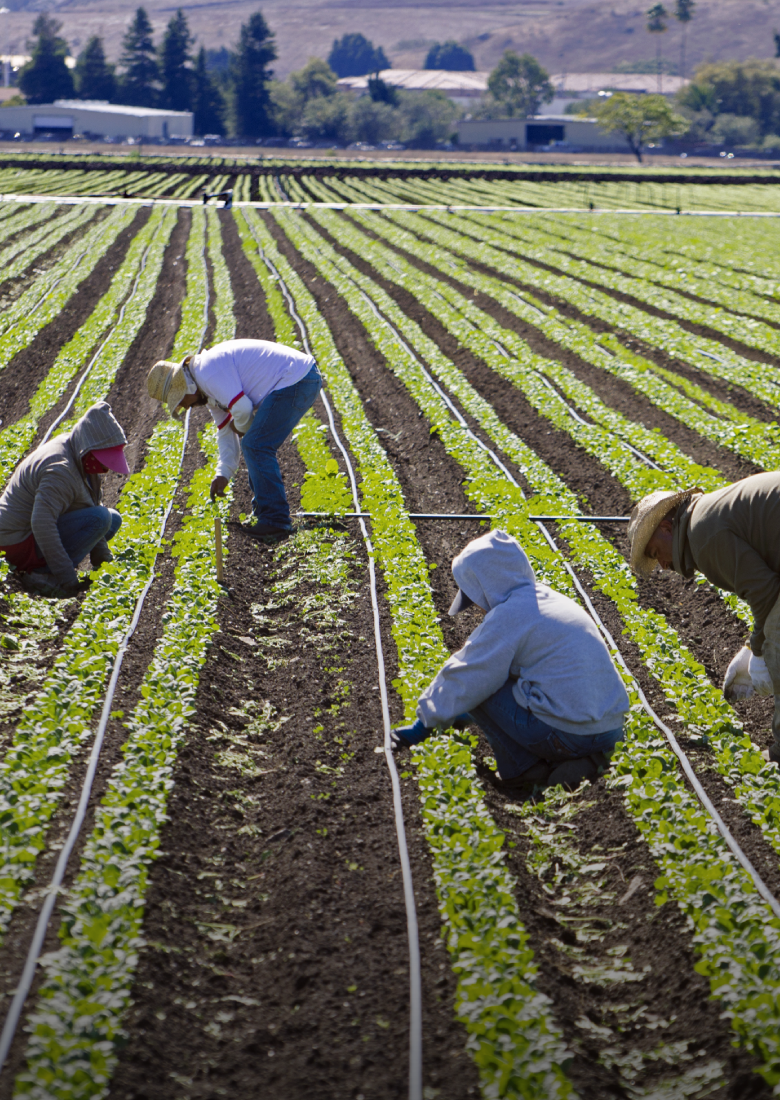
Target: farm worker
x,y
535,675
50,513
256,391
732,536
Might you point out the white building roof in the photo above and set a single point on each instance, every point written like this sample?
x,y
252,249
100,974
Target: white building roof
x,y
424,80
475,83
579,83
106,108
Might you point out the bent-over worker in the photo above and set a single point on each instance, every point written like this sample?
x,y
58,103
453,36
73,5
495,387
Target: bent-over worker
x,y
732,536
50,513
535,675
256,391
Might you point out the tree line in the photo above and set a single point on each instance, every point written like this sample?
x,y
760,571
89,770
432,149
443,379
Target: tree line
x,y
229,92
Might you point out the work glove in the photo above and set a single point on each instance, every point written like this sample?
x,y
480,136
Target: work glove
x,y
738,683
403,737
75,587
759,676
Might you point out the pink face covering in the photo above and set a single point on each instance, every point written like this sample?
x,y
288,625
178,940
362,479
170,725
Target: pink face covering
x,y
111,458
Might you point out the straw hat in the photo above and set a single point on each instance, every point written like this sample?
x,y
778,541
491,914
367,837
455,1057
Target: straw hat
x,y
645,517
167,383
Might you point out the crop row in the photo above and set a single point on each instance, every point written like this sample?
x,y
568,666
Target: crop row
x,y
692,405
117,316
44,299
698,702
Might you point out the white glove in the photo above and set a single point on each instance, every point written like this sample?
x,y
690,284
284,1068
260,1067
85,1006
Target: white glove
x,y
759,676
738,683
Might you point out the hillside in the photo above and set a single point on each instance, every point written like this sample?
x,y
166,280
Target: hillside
x,y
567,35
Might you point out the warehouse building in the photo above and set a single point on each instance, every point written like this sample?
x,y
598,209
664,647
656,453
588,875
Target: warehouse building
x,y
541,133
66,118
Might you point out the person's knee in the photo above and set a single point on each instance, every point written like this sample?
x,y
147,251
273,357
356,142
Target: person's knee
x,y
114,524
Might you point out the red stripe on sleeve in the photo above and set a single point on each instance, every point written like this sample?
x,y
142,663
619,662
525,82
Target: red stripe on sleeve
x,y
227,420
236,398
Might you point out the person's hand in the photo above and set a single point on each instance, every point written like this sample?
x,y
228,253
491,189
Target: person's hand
x,y
403,737
235,429
75,587
759,676
738,683
218,486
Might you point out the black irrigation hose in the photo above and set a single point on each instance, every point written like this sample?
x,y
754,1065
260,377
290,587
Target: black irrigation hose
x,y
457,515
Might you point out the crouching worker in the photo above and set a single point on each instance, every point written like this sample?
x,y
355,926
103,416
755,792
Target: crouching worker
x,y
256,392
535,675
732,536
50,513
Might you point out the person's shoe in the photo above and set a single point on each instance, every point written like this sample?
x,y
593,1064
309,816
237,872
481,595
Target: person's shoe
x,y
772,754
264,532
41,584
573,772
538,775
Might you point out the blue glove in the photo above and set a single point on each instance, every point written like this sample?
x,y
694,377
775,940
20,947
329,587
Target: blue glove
x,y
403,737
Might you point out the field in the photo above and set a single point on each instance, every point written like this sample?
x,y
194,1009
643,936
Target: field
x,y
215,881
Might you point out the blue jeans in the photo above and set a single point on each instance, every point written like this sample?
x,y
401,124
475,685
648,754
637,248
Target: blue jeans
x,y
275,418
82,529
519,740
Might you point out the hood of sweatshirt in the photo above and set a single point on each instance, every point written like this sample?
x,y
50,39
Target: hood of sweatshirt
x,y
490,568
97,430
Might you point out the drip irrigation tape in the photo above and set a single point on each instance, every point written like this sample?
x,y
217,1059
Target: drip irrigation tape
x,y
99,352
415,976
741,857
685,763
28,974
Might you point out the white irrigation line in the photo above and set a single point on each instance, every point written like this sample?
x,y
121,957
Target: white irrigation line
x,y
448,208
415,976
52,890
758,882
102,347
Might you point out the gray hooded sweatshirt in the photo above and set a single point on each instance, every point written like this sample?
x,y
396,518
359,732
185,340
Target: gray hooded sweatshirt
x,y
541,641
51,481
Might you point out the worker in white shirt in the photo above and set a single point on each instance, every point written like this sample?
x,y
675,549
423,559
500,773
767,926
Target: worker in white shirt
x,y
257,391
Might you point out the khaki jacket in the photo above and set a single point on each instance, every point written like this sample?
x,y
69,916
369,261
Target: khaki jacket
x,y
732,536
50,482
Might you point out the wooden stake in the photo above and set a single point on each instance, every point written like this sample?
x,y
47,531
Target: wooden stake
x,y
218,544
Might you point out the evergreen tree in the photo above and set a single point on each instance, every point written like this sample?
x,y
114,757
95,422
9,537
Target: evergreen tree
x,y
208,103
449,55
251,77
138,83
175,73
94,76
354,55
46,77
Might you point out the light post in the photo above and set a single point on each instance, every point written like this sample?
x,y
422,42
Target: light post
x,y
6,62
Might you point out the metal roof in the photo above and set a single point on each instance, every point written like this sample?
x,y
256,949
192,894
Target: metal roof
x,y
105,108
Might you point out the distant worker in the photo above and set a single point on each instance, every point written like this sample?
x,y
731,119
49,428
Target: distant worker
x,y
256,391
732,536
50,513
535,675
